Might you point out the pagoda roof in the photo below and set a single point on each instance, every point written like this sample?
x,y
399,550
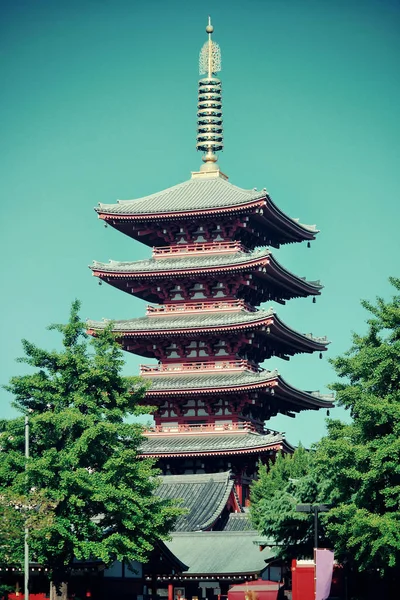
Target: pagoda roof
x,y
220,552
205,195
186,445
218,321
193,261
261,261
237,381
203,495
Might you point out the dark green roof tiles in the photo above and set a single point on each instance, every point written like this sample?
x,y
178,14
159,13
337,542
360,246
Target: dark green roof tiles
x,y
194,194
181,321
205,443
203,495
201,194
208,320
199,261
220,552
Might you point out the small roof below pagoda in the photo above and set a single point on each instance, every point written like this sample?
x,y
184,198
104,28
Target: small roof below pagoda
x,y
171,445
206,195
238,522
220,552
203,495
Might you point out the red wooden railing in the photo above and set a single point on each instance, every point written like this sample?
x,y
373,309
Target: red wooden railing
x,y
204,248
196,366
212,306
215,426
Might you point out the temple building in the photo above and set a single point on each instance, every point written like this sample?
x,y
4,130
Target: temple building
x,y
210,269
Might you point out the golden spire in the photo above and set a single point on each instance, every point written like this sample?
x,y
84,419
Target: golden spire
x,y
209,108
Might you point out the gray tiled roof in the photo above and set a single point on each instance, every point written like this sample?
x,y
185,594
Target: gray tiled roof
x,y
210,380
179,321
203,495
204,443
229,381
193,261
220,552
238,522
192,195
204,320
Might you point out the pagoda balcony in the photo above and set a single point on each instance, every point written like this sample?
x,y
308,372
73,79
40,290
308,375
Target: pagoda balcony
x,y
213,427
194,307
198,248
199,367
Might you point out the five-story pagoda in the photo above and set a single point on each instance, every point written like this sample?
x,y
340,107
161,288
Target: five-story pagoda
x,y
210,270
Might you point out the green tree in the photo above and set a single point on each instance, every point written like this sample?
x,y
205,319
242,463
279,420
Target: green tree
x,y
360,461
84,459
279,487
355,468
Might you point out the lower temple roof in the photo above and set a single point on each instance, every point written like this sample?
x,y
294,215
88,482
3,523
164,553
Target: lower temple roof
x,y
203,495
238,522
220,552
170,445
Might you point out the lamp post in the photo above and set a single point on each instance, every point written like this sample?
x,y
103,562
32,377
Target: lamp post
x,y
315,509
26,545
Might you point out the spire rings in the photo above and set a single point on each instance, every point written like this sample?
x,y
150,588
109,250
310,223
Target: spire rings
x,y
209,115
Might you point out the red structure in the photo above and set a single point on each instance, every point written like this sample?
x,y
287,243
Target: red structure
x,y
210,270
203,326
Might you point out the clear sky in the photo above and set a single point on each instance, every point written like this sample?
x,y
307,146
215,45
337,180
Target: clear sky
x,y
99,103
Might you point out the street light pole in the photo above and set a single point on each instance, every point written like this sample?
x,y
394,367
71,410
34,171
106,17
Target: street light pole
x,y
26,545
313,508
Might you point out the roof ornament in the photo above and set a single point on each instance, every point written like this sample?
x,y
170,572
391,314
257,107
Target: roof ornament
x,y
209,108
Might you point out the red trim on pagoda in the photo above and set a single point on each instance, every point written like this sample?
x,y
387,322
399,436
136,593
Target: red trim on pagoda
x,y
213,366
215,427
193,307
176,215
198,248
281,446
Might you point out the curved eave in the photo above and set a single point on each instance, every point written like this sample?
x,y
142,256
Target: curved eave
x,y
291,228
285,333
300,232
183,331
273,446
312,288
284,390
282,333
284,277
106,271
181,214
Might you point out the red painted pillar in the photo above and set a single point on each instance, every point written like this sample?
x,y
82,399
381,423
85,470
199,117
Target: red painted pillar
x,y
170,591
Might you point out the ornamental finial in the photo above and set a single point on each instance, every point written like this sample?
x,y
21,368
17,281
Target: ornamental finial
x,y
209,109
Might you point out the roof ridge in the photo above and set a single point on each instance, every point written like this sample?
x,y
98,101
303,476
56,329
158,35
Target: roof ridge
x,y
255,253
195,182
196,477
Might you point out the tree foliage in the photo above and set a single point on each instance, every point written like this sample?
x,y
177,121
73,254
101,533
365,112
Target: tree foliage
x,y
356,466
361,460
84,467
287,482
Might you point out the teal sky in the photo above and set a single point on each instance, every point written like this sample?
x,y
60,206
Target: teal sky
x,y
99,103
